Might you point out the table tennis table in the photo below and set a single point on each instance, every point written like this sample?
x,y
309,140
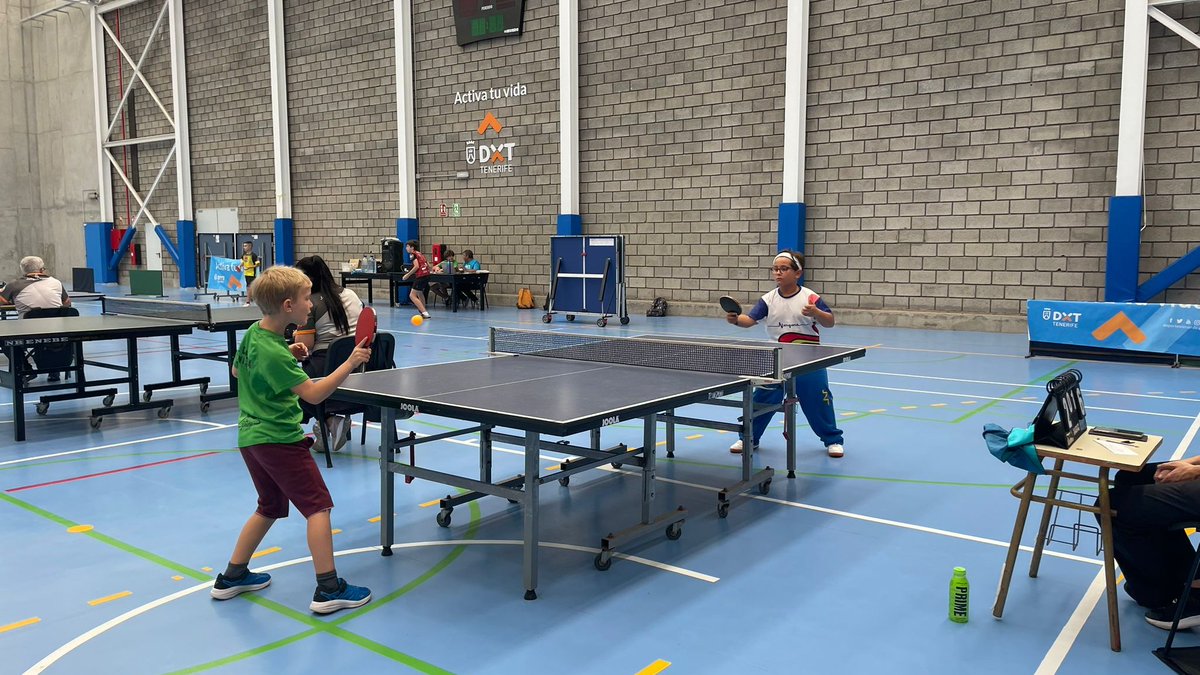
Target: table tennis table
x,y
560,384
128,319
214,319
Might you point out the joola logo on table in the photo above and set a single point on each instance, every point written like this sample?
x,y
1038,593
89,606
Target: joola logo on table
x,y
495,157
609,421
409,407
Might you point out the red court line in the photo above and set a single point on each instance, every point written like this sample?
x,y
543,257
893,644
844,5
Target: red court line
x,y
109,473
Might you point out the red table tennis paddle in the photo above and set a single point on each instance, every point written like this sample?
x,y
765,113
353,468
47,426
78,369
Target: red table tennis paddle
x,y
364,333
730,305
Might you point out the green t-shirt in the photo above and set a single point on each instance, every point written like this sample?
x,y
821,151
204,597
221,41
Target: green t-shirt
x,y
267,371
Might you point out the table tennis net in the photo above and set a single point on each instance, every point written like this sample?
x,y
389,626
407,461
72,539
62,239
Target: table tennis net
x,y
161,309
671,354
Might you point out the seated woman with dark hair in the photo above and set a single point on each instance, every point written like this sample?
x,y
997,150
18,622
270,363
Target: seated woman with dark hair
x,y
334,313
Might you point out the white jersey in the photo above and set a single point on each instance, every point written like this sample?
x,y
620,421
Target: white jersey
x,y
783,316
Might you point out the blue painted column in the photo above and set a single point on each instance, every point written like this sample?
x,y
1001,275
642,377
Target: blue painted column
x,y
1124,248
96,238
185,237
285,241
570,224
406,229
791,227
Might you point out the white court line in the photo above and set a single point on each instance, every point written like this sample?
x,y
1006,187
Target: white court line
x,y
1014,385
998,398
86,637
116,445
1057,653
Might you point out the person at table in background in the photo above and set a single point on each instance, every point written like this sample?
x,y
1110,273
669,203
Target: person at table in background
x,y
794,313
34,289
420,275
273,445
469,264
1154,557
442,290
334,314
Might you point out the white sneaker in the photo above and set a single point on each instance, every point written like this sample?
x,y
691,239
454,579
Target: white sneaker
x,y
835,450
736,448
339,431
425,315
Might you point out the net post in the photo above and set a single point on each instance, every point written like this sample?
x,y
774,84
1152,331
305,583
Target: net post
x,y
491,339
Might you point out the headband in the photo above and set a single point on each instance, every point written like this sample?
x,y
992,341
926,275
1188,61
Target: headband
x,y
789,256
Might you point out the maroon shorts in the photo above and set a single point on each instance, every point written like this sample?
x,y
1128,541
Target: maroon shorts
x,y
284,472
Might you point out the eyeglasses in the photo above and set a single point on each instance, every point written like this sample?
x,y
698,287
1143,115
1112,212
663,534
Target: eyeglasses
x,y
781,270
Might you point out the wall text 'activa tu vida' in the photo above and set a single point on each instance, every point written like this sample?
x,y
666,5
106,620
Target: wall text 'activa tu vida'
x,y
489,94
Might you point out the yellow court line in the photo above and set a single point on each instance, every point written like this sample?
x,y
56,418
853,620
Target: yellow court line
x,y
266,551
428,504
654,668
660,443
376,519
908,407
205,569
693,437
335,531
878,410
19,624
110,598
176,578
968,402
937,405
554,467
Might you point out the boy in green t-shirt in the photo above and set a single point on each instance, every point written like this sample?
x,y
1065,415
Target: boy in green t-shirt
x,y
274,446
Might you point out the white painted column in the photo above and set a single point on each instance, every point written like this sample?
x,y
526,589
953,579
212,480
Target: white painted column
x,y
1131,127
279,118
100,109
405,116
568,105
183,148
795,97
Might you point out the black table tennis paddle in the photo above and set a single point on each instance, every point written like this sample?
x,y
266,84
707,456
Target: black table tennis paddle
x,y
730,305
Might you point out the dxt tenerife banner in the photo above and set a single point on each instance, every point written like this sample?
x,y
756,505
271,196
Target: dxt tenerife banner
x,y
1152,328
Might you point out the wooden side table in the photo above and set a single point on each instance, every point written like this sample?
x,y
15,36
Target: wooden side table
x,y
1087,450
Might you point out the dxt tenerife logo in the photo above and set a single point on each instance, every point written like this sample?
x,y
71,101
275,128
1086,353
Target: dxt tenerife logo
x,y
494,158
1062,319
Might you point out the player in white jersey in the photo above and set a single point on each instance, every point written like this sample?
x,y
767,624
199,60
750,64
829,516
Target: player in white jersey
x,y
793,313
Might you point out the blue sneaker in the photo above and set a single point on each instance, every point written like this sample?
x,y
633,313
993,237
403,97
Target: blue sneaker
x,y
225,588
345,597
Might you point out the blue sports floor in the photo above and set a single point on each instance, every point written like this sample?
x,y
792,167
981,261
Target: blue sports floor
x,y
110,538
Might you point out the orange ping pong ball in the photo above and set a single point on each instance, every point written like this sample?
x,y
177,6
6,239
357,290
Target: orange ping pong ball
x,y
417,320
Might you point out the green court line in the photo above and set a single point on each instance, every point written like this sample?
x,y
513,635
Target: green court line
x,y
1018,390
319,626
105,539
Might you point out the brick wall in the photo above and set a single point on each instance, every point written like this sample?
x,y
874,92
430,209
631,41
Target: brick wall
x,y
229,106
342,112
960,154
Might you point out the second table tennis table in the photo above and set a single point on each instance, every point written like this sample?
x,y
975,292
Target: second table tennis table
x,y
560,384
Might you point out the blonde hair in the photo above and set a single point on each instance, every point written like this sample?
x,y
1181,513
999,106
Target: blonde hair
x,y
277,284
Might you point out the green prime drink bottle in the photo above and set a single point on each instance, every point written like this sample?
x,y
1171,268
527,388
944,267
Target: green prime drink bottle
x,y
960,594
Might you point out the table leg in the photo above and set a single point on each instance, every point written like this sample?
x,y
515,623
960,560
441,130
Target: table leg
x,y
1110,577
649,427
1014,545
16,360
387,480
532,469
789,425
1040,544
671,433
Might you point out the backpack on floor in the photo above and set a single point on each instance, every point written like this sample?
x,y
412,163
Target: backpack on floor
x,y
658,307
524,299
